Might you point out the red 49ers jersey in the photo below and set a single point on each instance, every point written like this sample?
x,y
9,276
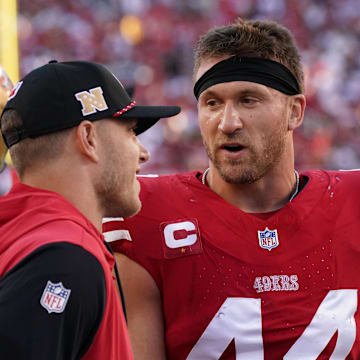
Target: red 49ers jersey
x,y
242,286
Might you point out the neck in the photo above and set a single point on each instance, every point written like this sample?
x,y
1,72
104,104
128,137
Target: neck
x,y
79,192
270,193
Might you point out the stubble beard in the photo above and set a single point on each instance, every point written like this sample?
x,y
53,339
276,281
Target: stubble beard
x,y
254,166
112,201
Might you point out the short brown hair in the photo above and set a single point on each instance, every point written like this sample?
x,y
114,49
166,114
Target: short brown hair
x,y
32,151
263,39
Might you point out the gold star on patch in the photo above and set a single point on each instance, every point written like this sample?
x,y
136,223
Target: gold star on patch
x,y
183,250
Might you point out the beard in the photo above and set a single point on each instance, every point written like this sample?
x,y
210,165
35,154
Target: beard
x,y
113,199
257,162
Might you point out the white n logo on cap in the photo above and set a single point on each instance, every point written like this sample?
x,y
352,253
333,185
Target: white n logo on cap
x,y
92,101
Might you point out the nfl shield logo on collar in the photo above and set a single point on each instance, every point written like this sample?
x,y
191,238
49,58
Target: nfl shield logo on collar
x,y
268,239
55,297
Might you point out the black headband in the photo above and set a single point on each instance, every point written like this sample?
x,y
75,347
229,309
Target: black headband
x,y
258,70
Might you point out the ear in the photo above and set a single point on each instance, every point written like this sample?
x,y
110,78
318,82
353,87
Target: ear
x,y
87,140
297,104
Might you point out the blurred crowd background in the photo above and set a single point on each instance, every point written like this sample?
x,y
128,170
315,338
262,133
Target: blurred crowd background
x,y
149,44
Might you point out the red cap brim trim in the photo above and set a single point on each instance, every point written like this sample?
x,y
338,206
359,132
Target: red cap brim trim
x,y
125,109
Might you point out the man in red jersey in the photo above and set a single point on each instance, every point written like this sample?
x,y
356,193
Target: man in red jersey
x,y
71,129
249,259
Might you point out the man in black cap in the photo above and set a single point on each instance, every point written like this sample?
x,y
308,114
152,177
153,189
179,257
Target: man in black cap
x,y
58,296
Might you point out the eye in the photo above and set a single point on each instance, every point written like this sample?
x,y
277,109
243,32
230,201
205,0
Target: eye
x,y
133,128
212,102
248,100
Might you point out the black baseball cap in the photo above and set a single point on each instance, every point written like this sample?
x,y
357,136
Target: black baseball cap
x,y
60,95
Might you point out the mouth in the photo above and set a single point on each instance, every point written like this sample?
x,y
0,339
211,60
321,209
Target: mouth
x,y
232,147
233,150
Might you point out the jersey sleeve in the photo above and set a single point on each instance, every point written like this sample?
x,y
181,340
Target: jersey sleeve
x,y
51,304
138,239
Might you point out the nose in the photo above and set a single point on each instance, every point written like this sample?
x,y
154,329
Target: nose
x,y
144,153
230,119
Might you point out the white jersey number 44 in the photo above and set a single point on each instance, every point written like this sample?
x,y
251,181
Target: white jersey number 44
x,y
239,319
